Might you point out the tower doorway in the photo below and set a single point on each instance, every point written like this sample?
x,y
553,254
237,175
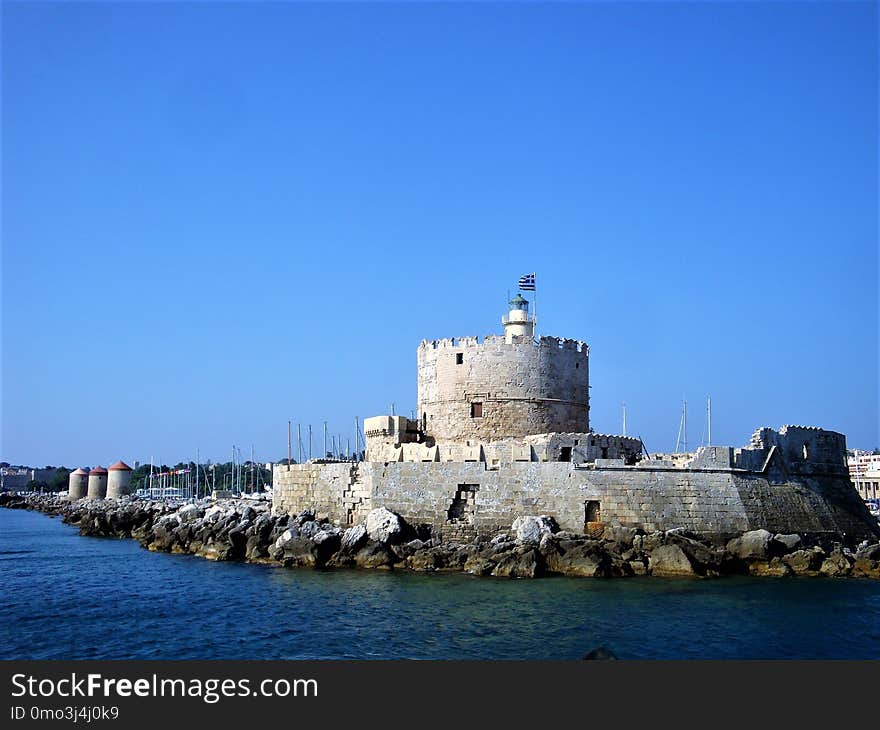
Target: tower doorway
x,y
593,525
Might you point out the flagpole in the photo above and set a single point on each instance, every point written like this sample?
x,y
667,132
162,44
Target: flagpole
x,y
535,309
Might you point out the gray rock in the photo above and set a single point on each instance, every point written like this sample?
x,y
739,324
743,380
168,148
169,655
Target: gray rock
x,y
648,543
587,559
868,552
753,545
427,559
306,515
705,560
530,529
354,537
190,513
670,560
328,534
787,542
479,565
309,528
600,654
523,562
285,537
298,552
384,526
621,537
374,555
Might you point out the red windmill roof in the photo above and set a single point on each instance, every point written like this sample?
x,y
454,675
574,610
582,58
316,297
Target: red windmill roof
x,y
120,466
98,470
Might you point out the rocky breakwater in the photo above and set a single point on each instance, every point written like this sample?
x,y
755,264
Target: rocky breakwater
x,y
534,546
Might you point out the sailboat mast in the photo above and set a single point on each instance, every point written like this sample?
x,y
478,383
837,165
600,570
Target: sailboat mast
x,y
684,416
709,416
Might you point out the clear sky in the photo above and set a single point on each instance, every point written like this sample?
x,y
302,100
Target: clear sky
x,y
218,217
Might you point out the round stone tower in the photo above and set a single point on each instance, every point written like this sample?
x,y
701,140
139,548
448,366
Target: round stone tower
x,y
97,483
119,480
78,484
503,387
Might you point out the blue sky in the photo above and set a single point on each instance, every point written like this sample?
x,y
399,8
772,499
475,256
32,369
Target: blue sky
x,y
218,217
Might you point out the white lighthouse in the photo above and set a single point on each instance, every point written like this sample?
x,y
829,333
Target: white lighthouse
x,y
517,322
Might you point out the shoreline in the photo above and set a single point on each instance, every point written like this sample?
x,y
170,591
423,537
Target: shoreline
x,y
247,531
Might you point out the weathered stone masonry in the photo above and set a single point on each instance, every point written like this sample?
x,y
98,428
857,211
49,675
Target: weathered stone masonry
x,y
521,388
712,497
503,432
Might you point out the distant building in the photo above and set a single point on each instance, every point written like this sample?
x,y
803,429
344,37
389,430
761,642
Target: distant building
x,y
13,478
864,470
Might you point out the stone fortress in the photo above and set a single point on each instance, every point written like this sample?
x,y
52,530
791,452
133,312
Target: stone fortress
x,y
503,431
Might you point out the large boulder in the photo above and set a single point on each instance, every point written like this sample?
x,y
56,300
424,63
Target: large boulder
x,y
523,562
671,561
286,536
530,529
837,564
374,555
869,552
775,568
784,544
620,538
805,562
753,545
297,552
865,568
648,543
190,513
600,654
309,528
327,541
383,525
705,559
427,559
584,558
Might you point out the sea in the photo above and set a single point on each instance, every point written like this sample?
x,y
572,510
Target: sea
x,y
63,596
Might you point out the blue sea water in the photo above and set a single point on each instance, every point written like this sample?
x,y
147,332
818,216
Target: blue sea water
x,y
63,596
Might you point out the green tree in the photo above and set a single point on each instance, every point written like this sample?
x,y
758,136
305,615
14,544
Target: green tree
x,y
60,481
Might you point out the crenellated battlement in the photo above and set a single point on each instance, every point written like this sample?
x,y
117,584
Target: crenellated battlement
x,y
546,341
503,431
794,450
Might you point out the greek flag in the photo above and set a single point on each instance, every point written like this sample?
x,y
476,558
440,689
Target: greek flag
x,y
527,282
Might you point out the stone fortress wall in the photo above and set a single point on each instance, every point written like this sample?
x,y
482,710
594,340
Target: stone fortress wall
x,y
396,438
720,491
503,432
473,391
